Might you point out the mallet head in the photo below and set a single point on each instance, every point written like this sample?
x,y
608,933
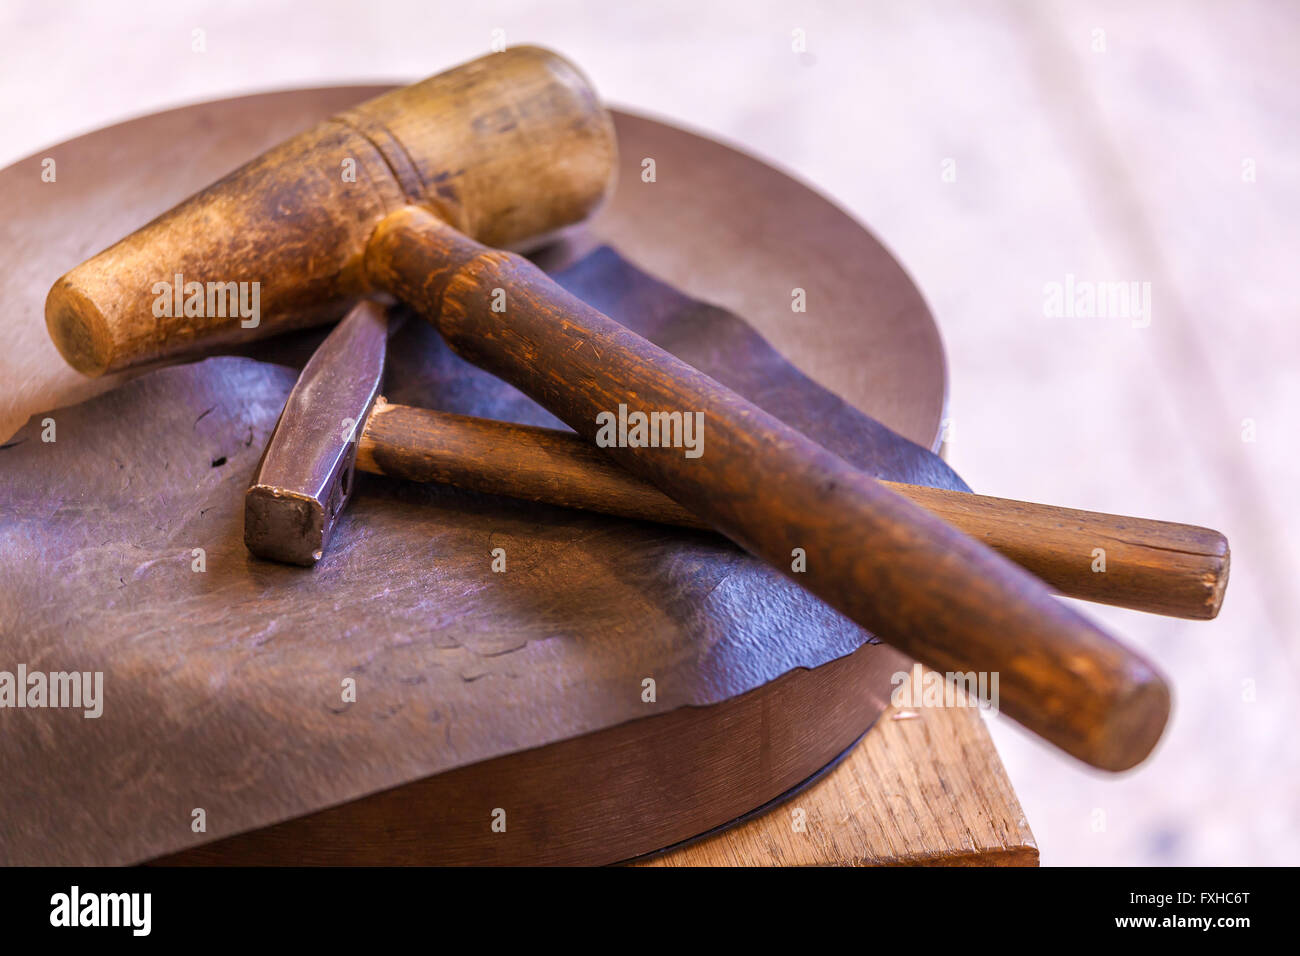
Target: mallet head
x,y
306,473
506,149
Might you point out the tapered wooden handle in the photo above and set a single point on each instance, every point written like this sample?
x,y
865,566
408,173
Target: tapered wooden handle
x,y
1156,566
886,563
1159,566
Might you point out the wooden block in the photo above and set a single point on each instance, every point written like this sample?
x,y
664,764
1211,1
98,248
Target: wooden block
x,y
922,787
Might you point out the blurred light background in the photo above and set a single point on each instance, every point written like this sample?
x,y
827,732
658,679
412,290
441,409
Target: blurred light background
x,y
995,147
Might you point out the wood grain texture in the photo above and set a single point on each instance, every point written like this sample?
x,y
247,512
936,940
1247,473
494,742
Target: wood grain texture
x,y
924,787
887,564
1157,566
502,458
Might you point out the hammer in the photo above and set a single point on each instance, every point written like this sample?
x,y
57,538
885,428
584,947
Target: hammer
x,y
336,422
412,194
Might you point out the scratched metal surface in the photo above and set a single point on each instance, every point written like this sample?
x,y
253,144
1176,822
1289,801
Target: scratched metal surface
x,y
222,688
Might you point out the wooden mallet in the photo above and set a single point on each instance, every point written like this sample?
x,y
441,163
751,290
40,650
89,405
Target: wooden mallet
x,y
410,194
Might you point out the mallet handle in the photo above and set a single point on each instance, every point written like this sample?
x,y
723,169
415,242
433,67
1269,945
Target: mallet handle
x,y
914,581
1156,566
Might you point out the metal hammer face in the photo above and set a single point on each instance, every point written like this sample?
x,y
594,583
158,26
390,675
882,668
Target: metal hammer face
x,y
506,149
306,474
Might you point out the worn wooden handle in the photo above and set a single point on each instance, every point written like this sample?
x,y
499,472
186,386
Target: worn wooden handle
x,y
1155,566
502,458
886,563
1159,566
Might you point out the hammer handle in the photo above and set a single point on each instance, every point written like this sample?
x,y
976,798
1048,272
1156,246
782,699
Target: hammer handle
x,y
914,581
1156,566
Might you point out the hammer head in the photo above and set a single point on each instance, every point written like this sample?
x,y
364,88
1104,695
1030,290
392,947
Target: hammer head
x,y
506,149
306,473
